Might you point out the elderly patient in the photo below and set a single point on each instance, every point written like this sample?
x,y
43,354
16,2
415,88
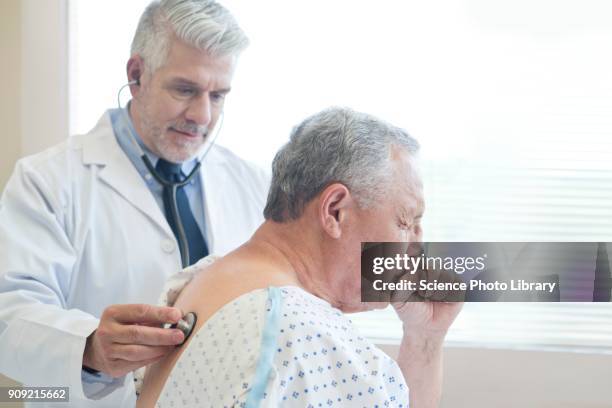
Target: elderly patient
x,y
271,327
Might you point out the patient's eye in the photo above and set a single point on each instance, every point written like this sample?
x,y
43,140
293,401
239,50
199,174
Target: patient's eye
x,y
403,223
410,228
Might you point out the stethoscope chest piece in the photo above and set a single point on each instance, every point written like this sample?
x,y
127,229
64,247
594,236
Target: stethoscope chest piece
x,y
186,325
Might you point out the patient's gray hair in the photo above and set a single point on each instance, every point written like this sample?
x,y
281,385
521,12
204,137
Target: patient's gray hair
x,y
335,145
203,24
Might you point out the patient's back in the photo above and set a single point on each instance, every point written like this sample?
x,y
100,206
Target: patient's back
x,y
240,272
277,346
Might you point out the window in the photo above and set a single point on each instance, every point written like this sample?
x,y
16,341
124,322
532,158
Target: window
x,y
511,101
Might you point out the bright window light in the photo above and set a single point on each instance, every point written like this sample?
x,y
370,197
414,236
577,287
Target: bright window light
x,y
511,101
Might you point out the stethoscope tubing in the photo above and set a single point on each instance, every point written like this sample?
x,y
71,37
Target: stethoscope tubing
x,y
173,185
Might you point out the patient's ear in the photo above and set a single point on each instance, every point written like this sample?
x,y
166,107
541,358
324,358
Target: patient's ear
x,y
334,203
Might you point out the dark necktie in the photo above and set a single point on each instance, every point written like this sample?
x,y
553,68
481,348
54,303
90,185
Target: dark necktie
x,y
603,279
178,213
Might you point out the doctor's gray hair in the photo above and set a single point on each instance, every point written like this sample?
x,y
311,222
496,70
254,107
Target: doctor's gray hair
x,y
335,145
203,24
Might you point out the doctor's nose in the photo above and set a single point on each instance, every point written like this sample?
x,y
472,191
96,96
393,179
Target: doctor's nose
x,y
200,110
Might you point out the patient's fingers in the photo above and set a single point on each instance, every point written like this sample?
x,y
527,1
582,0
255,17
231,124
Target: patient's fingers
x,y
447,287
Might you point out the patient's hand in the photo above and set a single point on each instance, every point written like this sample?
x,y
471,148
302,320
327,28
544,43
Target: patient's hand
x,y
426,318
429,313
420,358
127,338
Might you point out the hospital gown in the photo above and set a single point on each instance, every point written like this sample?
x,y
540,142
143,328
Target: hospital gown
x,y
282,347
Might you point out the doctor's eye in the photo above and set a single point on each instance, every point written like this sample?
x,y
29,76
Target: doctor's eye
x,y
185,91
217,97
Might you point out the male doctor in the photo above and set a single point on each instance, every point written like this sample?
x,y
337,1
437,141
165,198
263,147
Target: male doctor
x,y
88,233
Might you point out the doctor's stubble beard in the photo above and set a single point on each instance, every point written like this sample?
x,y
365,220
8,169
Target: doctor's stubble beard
x,y
173,147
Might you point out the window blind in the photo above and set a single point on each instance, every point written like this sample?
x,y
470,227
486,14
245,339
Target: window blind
x,y
512,103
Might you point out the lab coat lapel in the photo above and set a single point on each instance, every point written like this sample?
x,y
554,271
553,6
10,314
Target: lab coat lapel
x,y
119,173
209,190
223,212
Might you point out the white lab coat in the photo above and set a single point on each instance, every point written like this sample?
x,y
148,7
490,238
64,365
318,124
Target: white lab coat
x,y
79,231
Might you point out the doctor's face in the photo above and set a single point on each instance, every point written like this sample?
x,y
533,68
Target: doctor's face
x,y
176,107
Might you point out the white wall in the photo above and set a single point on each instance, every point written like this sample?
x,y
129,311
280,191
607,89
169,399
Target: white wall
x,y
33,103
44,86
10,80
33,79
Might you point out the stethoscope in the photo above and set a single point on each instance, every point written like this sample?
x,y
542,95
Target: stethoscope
x,y
172,185
187,323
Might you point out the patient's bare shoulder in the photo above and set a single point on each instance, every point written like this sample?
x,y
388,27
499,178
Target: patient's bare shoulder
x,y
223,281
240,272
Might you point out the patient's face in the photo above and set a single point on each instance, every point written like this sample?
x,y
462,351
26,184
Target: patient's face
x,y
394,218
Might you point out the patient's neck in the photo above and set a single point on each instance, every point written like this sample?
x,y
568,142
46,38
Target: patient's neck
x,y
294,249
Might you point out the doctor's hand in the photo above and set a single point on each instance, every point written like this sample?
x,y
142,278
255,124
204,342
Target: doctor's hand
x,y
129,337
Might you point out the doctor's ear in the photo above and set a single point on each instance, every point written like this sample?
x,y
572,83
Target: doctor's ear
x,y
334,203
135,68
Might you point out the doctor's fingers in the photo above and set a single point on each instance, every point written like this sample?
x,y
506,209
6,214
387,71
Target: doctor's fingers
x,y
133,353
119,368
144,335
142,313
